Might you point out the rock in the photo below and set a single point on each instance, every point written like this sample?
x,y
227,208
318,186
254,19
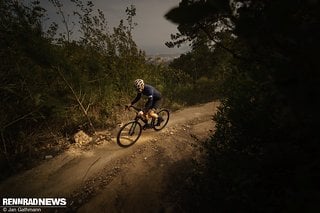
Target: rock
x,y
48,157
82,138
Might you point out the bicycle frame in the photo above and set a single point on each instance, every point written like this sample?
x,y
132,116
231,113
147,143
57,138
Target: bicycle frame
x,y
137,118
130,132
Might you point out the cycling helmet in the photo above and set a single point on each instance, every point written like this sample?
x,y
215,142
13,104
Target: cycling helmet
x,y
139,84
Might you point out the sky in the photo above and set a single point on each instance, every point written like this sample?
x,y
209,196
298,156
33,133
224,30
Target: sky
x,y
152,31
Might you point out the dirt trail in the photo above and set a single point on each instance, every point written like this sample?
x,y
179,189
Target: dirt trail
x,y
114,179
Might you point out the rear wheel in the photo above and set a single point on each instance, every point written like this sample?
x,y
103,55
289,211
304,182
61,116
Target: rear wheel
x,y
129,134
164,115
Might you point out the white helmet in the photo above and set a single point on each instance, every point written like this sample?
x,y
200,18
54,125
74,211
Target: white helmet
x,y
139,84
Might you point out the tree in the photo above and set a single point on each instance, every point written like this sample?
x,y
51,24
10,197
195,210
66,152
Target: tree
x,y
263,150
51,86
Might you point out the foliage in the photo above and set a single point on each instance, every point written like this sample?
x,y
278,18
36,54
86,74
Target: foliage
x,y
53,84
263,153
201,67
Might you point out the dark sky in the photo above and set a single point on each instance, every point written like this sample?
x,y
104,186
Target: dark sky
x,y
153,29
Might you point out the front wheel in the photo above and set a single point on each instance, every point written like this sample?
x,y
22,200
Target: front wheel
x,y
164,115
129,134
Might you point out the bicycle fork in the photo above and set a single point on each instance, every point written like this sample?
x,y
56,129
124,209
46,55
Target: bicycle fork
x,y
132,128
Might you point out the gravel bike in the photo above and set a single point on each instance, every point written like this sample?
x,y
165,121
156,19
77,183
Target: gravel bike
x,y
130,132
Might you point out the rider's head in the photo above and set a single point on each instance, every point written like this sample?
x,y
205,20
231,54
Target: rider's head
x,y
139,85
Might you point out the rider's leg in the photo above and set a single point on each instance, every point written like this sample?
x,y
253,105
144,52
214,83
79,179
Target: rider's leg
x,y
144,117
152,114
152,111
155,117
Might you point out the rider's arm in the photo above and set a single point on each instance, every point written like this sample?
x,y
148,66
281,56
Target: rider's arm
x,y
137,98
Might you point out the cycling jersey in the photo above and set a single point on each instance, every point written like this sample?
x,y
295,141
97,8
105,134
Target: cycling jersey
x,y
154,96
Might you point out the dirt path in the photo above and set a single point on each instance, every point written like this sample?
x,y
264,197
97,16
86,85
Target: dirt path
x,y
114,179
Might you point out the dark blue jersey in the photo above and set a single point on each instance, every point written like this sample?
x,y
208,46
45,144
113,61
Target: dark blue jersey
x,y
152,94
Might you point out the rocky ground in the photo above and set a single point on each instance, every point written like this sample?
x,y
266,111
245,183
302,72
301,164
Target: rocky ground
x,y
109,178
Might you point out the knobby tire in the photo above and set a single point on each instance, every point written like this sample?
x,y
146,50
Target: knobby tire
x,y
165,114
134,129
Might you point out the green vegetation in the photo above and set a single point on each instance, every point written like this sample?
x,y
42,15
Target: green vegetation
x,y
52,84
264,155
259,60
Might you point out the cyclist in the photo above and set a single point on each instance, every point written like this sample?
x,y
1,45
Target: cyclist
x,y
153,102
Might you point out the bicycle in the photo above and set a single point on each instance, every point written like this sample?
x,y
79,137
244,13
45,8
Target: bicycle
x,y
130,132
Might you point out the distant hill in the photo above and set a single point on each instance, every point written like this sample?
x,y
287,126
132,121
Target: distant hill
x,y
162,58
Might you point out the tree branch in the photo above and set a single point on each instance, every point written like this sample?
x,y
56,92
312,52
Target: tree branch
x,y
206,31
85,111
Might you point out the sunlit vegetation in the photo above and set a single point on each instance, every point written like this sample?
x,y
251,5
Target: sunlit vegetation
x,y
258,58
78,73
